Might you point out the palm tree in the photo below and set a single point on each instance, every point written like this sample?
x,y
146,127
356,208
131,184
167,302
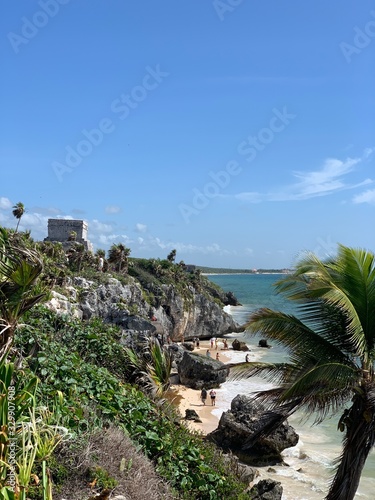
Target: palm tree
x,y
20,288
332,354
152,366
76,254
118,255
172,255
18,211
72,236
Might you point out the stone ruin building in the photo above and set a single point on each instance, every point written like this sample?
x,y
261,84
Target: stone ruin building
x,y
61,230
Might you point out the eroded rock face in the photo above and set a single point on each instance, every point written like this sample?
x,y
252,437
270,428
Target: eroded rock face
x,y
240,423
197,371
61,304
178,318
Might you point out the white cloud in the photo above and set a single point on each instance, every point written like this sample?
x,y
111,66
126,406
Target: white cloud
x,y
5,203
112,209
365,197
112,238
323,181
141,228
328,179
34,221
214,248
97,226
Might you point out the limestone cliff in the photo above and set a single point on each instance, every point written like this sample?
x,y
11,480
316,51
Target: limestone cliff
x,y
181,316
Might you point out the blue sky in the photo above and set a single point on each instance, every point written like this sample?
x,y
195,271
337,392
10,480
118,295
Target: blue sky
x,y
239,133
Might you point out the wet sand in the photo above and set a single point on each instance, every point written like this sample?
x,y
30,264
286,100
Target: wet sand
x,y
185,398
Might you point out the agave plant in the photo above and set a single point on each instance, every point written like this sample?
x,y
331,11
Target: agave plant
x,y
20,287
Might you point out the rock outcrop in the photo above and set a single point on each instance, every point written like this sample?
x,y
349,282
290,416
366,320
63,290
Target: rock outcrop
x,y
242,422
197,371
267,489
239,346
177,317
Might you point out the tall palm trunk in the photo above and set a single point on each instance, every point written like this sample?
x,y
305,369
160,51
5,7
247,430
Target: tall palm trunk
x,y
358,442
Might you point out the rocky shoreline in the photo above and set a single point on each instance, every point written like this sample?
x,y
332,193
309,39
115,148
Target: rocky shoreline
x,y
229,426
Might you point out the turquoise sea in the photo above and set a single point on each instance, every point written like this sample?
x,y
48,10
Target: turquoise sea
x,y
309,464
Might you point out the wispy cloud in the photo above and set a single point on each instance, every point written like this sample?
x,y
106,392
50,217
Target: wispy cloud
x,y
140,228
365,197
213,248
330,178
100,227
109,239
112,209
5,203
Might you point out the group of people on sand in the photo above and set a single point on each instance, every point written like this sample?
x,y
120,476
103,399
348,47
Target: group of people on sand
x,y
212,396
214,344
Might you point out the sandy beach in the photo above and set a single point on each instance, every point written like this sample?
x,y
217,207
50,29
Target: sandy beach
x,y
186,398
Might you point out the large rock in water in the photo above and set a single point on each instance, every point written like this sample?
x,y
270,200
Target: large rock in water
x,y
239,345
243,421
197,371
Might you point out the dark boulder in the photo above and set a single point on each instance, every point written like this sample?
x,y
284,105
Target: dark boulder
x,y
239,346
244,421
263,343
189,346
266,489
197,371
192,415
231,299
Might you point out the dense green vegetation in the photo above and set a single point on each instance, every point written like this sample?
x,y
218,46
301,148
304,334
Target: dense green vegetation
x,y
85,363
73,379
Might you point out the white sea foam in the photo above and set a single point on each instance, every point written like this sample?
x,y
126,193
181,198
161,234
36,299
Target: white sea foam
x,y
309,469
308,465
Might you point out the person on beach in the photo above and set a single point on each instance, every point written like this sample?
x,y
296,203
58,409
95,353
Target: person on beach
x,y
197,343
213,397
247,358
203,395
225,344
208,354
217,357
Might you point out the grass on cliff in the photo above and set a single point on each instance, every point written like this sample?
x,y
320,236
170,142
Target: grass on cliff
x,y
86,364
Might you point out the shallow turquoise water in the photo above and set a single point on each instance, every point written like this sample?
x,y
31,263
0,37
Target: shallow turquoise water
x,y
310,462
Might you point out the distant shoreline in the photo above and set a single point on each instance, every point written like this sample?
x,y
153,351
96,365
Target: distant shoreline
x,y
244,274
